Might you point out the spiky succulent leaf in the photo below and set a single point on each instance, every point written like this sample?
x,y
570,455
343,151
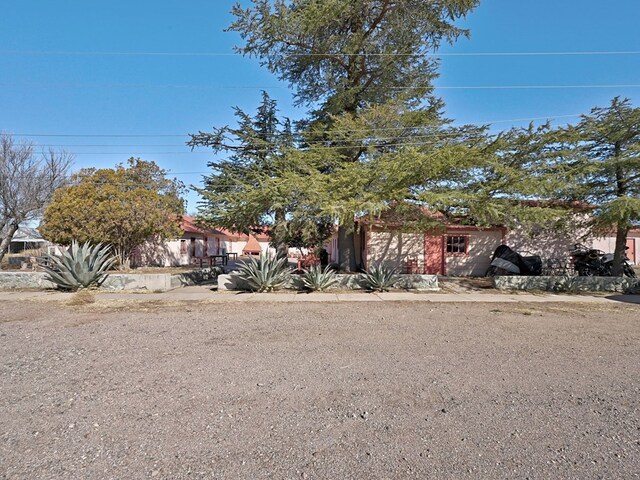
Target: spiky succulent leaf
x,y
80,266
317,279
379,278
266,273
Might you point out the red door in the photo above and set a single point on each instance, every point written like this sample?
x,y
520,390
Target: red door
x,y
631,253
434,255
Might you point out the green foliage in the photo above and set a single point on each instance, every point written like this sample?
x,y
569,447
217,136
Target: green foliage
x,y
379,278
266,273
261,181
600,159
122,207
364,69
80,266
319,279
348,53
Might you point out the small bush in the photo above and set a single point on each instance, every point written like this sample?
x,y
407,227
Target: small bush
x,y
379,279
265,274
318,279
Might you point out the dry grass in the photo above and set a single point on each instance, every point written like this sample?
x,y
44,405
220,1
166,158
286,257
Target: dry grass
x,y
82,297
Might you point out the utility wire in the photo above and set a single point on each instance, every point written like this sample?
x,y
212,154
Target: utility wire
x,y
274,87
302,149
100,135
240,55
268,144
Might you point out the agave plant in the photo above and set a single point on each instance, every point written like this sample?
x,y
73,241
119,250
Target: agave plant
x,y
317,279
80,266
266,273
380,278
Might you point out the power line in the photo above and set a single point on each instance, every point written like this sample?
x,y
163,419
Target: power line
x,y
302,149
240,55
100,135
162,135
274,87
525,87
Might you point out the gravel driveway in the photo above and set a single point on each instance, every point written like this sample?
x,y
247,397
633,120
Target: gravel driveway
x,y
335,391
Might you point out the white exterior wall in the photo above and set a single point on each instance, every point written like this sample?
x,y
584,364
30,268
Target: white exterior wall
x,y
476,262
160,254
264,246
331,246
546,244
393,248
550,242
608,245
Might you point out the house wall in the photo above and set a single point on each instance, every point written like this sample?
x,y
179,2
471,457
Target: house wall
x,y
154,253
608,245
331,246
550,243
266,248
480,248
544,242
171,253
393,248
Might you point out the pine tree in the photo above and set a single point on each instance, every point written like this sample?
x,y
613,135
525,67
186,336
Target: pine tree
x,y
261,181
364,69
602,154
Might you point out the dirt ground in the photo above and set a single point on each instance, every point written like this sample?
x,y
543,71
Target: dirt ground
x,y
326,391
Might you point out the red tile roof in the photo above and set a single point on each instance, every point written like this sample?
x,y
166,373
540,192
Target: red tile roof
x,y
252,246
190,225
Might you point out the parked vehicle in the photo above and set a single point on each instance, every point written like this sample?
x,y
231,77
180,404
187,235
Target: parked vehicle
x,y
506,261
591,262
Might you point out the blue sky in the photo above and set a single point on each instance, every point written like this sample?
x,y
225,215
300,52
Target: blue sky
x,y
54,82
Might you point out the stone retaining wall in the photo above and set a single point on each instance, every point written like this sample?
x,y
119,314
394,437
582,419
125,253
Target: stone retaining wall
x,y
152,282
24,280
232,281
567,284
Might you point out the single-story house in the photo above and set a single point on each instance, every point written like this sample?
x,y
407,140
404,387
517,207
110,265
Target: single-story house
x,y
457,250
27,238
197,242
465,250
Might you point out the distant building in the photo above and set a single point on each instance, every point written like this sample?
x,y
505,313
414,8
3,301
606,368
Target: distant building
x,y
26,238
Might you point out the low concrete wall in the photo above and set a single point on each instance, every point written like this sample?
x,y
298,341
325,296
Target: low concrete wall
x,y
22,280
156,282
567,284
233,281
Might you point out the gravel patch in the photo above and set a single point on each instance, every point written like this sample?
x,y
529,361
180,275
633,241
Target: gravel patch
x,y
327,391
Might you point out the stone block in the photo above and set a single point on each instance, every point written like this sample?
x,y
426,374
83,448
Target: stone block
x,y
566,283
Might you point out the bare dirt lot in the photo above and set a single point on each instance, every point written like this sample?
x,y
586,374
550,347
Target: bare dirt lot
x,y
327,391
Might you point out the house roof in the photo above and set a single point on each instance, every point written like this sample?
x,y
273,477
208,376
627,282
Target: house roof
x,y
27,234
252,246
190,224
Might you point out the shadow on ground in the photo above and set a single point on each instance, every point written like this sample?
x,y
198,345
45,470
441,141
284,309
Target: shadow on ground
x,y
634,299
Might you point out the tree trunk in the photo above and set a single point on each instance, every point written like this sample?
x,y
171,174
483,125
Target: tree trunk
x,y
623,226
620,251
4,245
346,248
282,249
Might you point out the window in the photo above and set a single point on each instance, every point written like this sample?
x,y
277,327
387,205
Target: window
x,y
457,245
183,247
